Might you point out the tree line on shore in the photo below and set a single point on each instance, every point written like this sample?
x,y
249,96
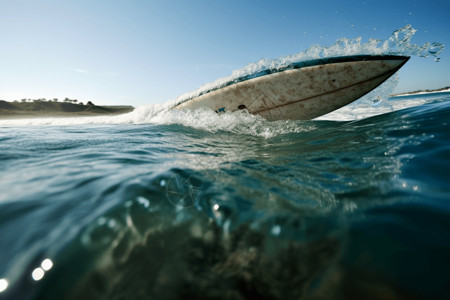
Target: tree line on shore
x,y
66,100
44,107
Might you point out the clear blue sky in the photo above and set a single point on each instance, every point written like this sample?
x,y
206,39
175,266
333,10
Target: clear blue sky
x,y
142,52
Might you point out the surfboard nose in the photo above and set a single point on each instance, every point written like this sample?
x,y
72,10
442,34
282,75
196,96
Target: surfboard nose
x,y
328,85
395,62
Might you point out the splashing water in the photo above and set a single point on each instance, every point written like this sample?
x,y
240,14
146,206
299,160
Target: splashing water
x,y
399,43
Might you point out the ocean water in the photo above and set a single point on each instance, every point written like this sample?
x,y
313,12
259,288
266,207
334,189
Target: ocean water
x,y
160,204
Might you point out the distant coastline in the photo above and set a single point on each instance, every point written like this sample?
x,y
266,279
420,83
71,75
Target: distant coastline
x,y
418,92
37,108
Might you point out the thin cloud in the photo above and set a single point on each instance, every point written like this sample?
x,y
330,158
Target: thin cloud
x,y
79,70
84,71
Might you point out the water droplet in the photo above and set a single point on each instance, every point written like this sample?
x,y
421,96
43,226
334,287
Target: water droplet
x,y
276,230
38,274
3,285
46,264
143,201
112,223
435,48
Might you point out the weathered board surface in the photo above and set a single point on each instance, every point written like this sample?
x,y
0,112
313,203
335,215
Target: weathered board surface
x,y
304,92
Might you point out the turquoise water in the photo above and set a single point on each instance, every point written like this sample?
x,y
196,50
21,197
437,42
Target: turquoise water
x,y
206,206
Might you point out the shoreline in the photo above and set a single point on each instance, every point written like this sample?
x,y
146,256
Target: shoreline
x,y
39,115
41,109
422,92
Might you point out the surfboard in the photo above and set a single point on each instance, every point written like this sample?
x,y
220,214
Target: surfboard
x,y
301,91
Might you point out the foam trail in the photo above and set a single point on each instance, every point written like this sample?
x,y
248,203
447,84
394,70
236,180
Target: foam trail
x,y
239,122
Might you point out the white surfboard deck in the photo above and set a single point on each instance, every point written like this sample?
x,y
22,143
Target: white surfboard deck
x,y
302,92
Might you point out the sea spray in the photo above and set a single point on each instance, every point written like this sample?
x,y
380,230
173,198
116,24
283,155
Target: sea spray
x,y
399,43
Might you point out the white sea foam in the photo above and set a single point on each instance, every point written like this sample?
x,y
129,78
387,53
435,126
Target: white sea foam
x,y
239,122
358,111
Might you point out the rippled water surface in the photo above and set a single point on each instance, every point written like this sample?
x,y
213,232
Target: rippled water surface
x,y
205,206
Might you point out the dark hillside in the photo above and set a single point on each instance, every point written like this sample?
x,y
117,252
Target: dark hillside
x,y
53,108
